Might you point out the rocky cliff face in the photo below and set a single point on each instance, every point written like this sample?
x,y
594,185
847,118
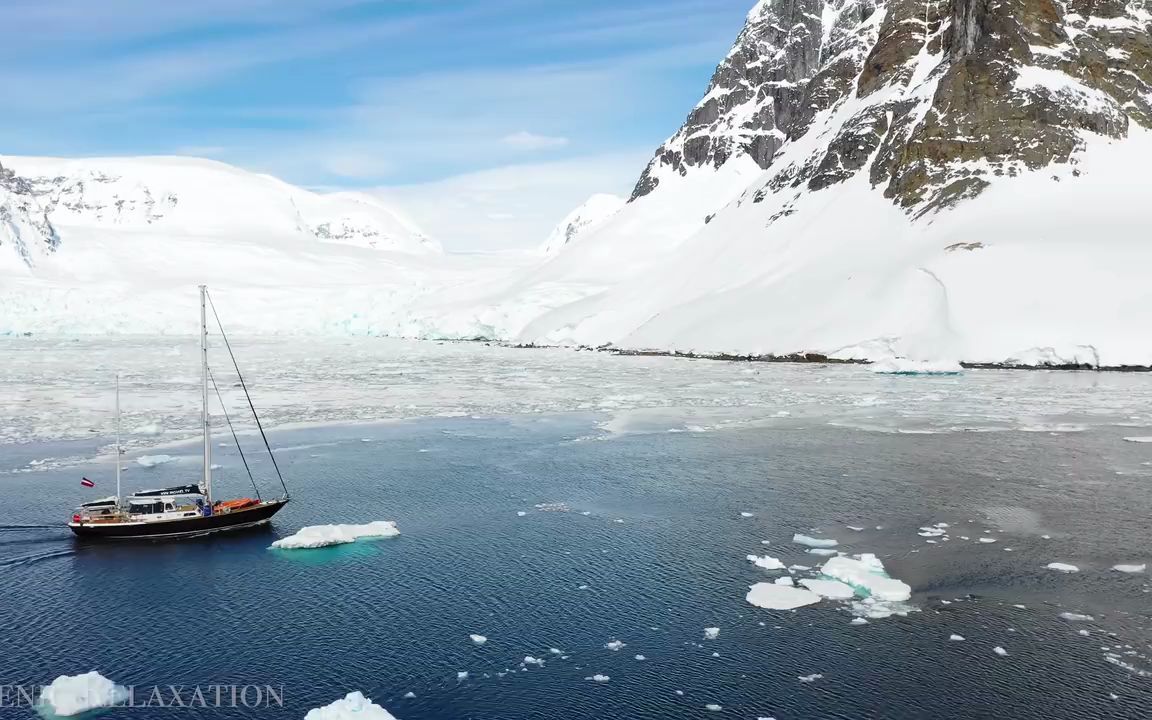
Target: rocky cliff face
x,y
25,230
931,101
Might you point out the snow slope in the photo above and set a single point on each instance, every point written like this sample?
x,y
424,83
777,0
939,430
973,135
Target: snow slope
x,y
595,211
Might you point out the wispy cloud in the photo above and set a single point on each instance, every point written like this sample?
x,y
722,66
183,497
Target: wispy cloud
x,y
524,140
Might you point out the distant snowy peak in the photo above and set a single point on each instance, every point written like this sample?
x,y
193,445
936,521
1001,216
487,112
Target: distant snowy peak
x,y
595,211
931,100
202,197
26,233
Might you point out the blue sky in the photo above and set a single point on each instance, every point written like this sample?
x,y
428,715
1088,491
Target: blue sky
x,y
363,93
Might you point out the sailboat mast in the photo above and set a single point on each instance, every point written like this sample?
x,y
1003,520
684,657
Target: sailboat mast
x,y
117,439
204,383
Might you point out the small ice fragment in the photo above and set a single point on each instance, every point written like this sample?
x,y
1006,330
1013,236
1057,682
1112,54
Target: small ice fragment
x,y
1020,607
821,551
799,567
746,514
1085,633
813,542
640,657
76,694
765,542
854,528
462,675
354,704
786,581
1062,567
1046,537
586,512
1138,439
987,540
478,639
614,645
520,513
765,561
679,692
619,520
599,678
1076,617
999,651
810,678
956,638
316,536
409,695
582,587
713,707
1130,568
529,660
555,651
715,654
151,461
711,633
859,621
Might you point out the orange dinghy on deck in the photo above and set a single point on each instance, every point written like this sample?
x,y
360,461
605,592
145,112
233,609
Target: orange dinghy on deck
x,y
237,504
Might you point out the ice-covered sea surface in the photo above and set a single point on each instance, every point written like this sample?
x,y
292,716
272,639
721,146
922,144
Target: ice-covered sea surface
x,y
556,502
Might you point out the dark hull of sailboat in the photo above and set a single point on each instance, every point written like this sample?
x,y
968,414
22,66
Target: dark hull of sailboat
x,y
182,528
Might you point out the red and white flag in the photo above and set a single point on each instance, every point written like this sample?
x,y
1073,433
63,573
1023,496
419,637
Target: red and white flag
x,y
87,483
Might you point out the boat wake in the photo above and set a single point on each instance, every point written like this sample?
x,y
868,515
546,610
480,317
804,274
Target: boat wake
x,y
35,558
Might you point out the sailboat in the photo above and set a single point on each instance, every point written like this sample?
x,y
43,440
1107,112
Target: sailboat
x,y
184,510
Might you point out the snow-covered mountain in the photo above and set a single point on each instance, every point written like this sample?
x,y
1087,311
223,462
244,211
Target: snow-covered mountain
x,y
595,211
26,233
869,178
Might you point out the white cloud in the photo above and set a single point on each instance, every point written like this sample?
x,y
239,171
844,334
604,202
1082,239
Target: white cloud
x,y
512,207
525,140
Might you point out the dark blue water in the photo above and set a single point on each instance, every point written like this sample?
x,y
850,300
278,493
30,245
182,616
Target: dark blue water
x,y
393,616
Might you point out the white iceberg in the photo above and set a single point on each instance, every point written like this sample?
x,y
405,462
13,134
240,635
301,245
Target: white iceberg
x,y
1130,568
151,461
1062,567
766,561
813,542
478,639
317,536
831,589
777,597
353,706
74,694
711,633
866,574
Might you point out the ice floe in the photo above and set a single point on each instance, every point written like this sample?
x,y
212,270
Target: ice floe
x,y
956,638
859,621
151,461
1076,617
409,695
147,429
462,675
831,589
615,645
866,574
1146,439
74,694
353,706
823,552
1130,568
640,657
529,660
988,540
747,514
317,536
999,651
1062,567
478,639
711,633
786,581
598,678
713,707
776,597
810,541
766,561
908,366
810,678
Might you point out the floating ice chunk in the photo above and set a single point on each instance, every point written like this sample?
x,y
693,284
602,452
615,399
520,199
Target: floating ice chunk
x,y
908,366
598,678
810,678
776,597
813,542
799,567
747,514
711,633
555,651
859,621
641,657
987,540
999,651
1145,439
151,461
786,581
854,528
1076,617
1062,567
765,542
933,530
956,638
766,561
148,429
478,639
679,692
824,552
316,536
353,706
713,707
75,694
866,574
409,695
1130,568
520,513
614,645
831,589
462,675
529,660
1085,633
